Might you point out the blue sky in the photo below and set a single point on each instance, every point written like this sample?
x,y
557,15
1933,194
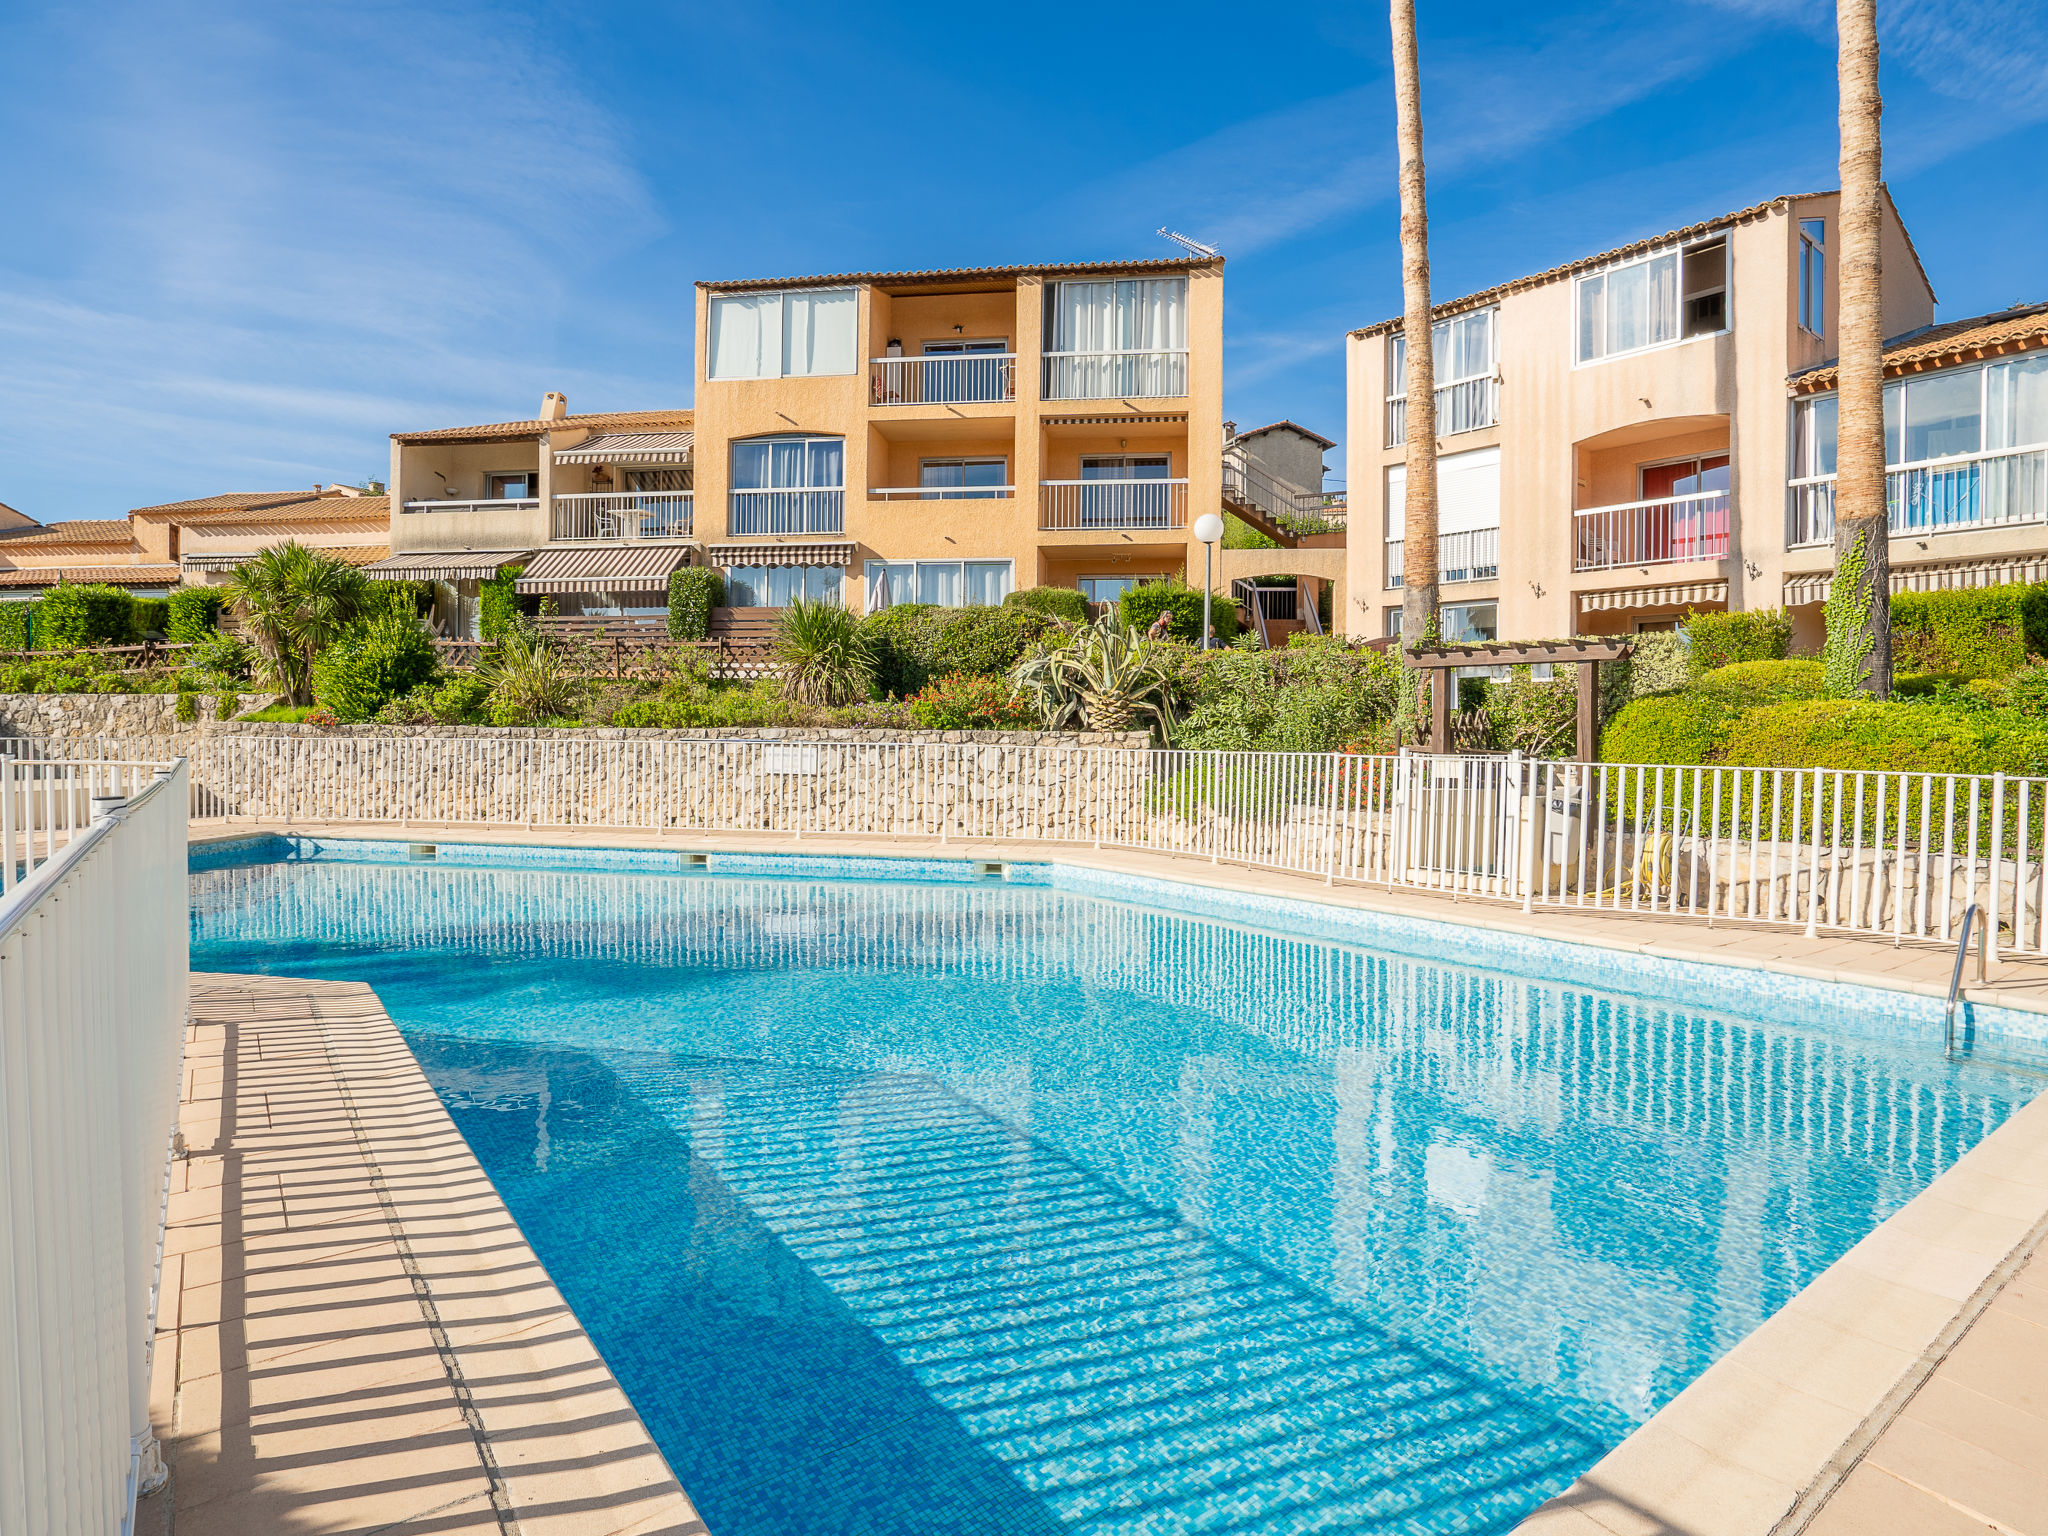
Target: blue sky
x,y
244,242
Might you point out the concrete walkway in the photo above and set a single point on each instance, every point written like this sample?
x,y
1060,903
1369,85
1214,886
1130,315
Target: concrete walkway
x,y
354,1336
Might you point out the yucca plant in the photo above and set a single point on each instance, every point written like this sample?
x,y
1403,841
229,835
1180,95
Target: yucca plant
x,y
825,657
529,680
295,602
1109,679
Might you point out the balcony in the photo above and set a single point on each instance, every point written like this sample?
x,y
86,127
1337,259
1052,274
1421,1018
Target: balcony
x,y
492,504
943,493
1666,531
1472,554
973,378
1115,375
1465,405
1112,504
758,513
627,515
1956,495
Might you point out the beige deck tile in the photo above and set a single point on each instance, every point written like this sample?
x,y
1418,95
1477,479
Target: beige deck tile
x,y
2005,1357
1874,1503
1957,1468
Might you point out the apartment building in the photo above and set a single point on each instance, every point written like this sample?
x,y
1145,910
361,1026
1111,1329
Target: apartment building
x,y
1616,435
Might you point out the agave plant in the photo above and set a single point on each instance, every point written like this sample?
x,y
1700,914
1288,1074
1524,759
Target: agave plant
x,y
1110,678
295,602
825,657
529,680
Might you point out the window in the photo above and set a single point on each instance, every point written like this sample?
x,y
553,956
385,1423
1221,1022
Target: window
x,y
788,485
657,480
803,334
1115,502
1107,589
947,583
1813,273
1944,415
963,479
517,487
2016,403
1114,339
1467,493
1813,437
1466,352
1470,623
1652,301
777,586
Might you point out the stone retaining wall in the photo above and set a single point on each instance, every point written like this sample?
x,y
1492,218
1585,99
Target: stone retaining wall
x,y
105,714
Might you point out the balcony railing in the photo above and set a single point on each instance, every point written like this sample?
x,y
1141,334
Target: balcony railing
x,y
1115,375
1974,490
754,513
1112,504
494,504
1463,406
1665,531
942,493
970,378
1473,554
623,515
1301,513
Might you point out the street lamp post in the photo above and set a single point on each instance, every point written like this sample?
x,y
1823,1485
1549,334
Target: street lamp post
x,y
1209,529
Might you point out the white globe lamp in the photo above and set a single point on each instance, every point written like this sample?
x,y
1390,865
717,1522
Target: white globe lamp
x,y
1209,529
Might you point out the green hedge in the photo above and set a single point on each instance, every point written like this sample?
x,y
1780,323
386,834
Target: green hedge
x,y
1667,728
693,591
1981,632
151,614
1722,639
497,606
72,615
1140,605
1055,602
373,663
17,626
1746,684
914,643
192,614
1873,735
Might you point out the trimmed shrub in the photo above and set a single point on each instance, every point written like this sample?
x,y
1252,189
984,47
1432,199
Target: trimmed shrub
x,y
1054,602
1682,728
1747,684
901,639
969,701
1875,735
1722,639
693,591
17,626
191,614
1981,632
497,605
84,615
219,658
457,698
1140,605
988,641
371,664
407,599
151,614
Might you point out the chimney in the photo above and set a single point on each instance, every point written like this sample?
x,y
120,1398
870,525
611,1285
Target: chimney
x,y
554,405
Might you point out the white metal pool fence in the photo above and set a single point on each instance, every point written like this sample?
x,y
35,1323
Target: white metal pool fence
x,y
93,953
1901,855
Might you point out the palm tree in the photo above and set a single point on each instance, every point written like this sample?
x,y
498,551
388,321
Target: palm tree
x,y
295,602
1418,555
1859,632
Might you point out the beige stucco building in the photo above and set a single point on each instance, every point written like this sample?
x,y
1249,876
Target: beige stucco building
x,y
1616,435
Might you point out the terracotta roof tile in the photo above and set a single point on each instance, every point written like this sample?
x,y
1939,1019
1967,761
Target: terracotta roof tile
x,y
90,530
326,509
969,274
1291,426
677,420
2018,329
230,501
112,575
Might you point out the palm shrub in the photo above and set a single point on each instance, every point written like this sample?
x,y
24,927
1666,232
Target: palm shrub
x,y
529,681
1109,678
295,602
827,658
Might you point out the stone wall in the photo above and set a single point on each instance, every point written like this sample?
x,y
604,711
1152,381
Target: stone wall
x,y
1128,741
103,714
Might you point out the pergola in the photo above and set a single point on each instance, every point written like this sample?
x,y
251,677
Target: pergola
x,y
1586,655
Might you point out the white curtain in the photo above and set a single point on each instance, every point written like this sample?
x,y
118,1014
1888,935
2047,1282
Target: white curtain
x,y
939,582
819,332
1084,316
988,582
746,336
1468,491
2016,395
1397,509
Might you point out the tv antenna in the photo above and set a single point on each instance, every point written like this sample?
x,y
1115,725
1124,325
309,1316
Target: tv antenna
x,y
1192,247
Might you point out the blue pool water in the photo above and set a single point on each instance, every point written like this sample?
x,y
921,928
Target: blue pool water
x,y
997,1207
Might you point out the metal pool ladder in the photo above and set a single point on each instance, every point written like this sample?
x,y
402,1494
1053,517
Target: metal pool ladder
x,y
1973,915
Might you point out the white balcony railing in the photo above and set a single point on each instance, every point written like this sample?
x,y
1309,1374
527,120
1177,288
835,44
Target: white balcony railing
x,y
623,515
1112,504
967,378
754,513
1464,406
943,493
1664,531
1472,554
1953,495
1115,375
491,504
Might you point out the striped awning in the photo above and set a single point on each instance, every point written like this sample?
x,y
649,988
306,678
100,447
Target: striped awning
x,y
1948,576
1684,595
445,565
95,575
628,568
817,553
227,560
631,448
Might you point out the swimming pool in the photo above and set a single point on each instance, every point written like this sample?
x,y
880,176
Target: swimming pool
x,y
948,1204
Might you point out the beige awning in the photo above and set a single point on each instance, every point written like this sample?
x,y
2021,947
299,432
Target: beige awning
x,y
1680,596
445,565
1948,576
631,448
816,553
581,568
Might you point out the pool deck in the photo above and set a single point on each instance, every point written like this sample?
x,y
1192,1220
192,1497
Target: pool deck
x,y
1905,1390
353,1335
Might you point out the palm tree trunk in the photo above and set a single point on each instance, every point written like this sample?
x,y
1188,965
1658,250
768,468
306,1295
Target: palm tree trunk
x,y
1418,523
1859,639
